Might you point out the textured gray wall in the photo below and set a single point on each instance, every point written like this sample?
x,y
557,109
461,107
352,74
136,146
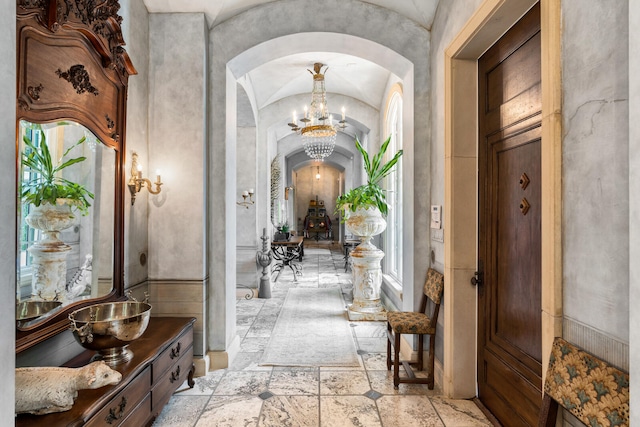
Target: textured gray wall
x,y
8,211
634,205
135,30
177,141
177,145
596,176
247,240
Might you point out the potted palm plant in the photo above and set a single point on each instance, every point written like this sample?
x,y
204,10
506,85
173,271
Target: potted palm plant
x,y
368,200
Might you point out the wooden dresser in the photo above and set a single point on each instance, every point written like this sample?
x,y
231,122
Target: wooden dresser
x,y
162,361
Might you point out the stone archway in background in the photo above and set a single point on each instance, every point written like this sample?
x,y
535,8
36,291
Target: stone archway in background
x,y
238,43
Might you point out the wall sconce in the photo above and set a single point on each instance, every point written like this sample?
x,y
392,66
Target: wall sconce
x,y
318,173
286,192
137,182
246,203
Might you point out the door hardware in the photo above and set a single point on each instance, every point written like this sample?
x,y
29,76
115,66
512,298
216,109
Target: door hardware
x,y
477,278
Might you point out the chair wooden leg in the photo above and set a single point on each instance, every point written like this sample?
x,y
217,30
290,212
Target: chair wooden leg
x,y
396,362
420,351
548,412
432,345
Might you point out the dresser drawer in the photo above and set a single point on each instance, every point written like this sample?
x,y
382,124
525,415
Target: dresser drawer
x,y
172,379
170,356
140,415
124,402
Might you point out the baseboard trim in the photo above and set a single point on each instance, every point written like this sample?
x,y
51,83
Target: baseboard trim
x,y
202,366
223,359
597,343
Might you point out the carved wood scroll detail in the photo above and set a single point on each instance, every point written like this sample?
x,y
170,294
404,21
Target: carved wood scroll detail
x,y
79,78
27,4
110,123
34,92
99,17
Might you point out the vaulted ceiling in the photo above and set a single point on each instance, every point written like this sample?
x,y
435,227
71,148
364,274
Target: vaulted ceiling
x,y
348,75
217,11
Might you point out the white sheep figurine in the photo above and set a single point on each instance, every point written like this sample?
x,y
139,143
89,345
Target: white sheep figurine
x,y
43,390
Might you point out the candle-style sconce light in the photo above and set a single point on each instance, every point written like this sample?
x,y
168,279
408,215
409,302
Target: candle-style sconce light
x,y
137,182
287,190
246,194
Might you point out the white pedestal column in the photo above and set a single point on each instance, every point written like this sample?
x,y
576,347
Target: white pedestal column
x,y
49,266
367,279
49,269
365,265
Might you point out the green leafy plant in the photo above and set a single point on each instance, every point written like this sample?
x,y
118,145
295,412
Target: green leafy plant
x,y
47,185
369,194
284,227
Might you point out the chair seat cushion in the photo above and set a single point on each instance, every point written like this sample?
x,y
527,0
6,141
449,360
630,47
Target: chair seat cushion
x,y
408,322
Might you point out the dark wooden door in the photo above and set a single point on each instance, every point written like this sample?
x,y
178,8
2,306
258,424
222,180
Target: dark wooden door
x,y
509,350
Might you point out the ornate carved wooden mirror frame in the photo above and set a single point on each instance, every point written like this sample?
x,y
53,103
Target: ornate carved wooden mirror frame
x,y
71,65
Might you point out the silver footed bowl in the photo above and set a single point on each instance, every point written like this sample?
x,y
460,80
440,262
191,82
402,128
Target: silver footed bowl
x,y
109,328
29,310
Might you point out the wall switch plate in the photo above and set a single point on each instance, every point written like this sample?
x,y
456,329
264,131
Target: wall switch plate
x,y
436,216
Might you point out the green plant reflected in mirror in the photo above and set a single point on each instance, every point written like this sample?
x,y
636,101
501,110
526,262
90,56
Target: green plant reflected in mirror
x,y
65,216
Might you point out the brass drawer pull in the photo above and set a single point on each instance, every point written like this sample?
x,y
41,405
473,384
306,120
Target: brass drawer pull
x,y
175,352
175,376
113,415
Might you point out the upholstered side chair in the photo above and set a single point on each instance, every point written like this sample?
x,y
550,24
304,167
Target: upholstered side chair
x,y
593,391
420,323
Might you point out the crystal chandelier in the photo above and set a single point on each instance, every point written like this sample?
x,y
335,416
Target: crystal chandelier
x,y
318,130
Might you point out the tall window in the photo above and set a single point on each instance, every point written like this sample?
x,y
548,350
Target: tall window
x,y
393,186
28,235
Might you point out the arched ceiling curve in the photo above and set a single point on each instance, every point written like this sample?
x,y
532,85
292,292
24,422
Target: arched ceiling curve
x,y
357,68
420,11
359,71
345,74
274,70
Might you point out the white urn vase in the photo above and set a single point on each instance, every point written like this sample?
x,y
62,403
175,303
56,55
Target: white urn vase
x,y
365,265
366,223
49,265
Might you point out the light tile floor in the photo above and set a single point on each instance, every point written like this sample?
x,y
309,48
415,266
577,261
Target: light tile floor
x,y
247,394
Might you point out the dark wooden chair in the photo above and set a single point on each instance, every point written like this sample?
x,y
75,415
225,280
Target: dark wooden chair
x,y
416,323
596,393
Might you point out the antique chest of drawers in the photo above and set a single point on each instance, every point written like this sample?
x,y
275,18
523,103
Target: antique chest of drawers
x,y
162,361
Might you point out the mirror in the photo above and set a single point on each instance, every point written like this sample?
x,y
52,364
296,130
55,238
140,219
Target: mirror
x,y
72,79
65,220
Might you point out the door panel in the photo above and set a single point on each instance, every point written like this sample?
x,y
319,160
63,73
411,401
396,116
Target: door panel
x,y
509,310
